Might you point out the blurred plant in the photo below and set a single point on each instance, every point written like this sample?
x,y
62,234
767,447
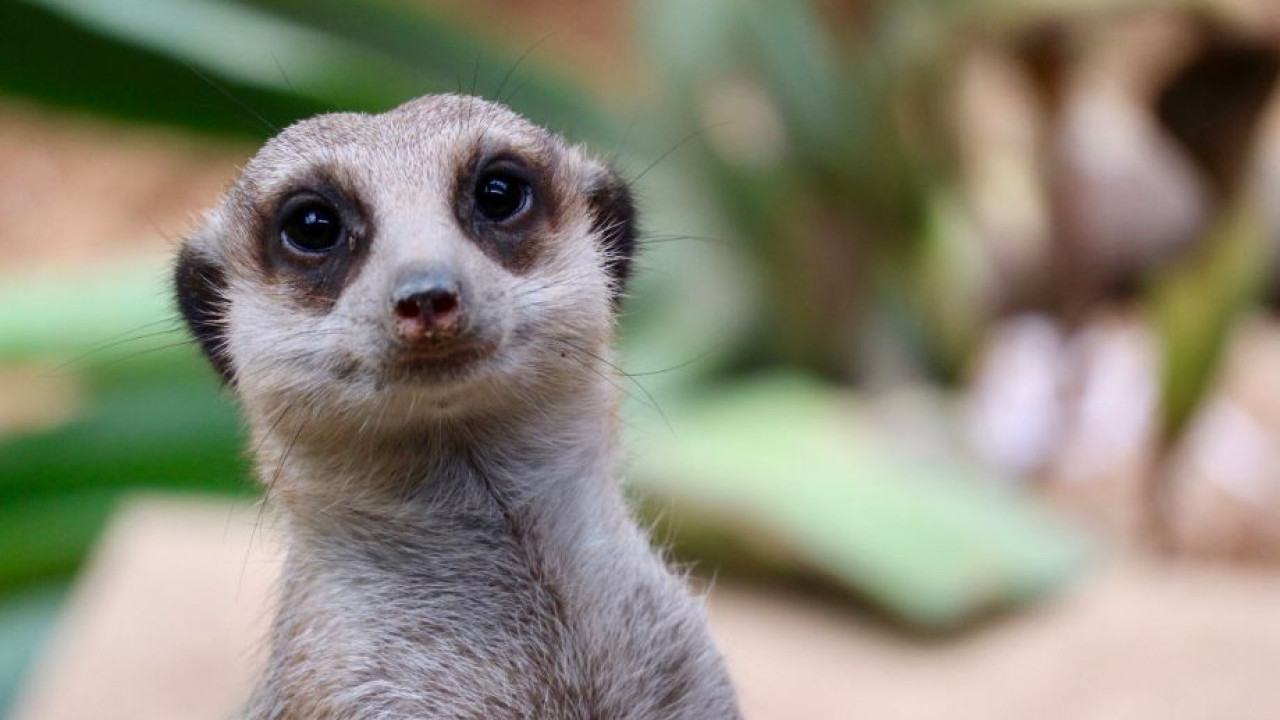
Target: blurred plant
x,y
247,67
1149,143
934,167
817,150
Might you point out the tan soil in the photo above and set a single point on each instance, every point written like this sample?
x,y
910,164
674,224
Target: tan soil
x,y
76,190
167,624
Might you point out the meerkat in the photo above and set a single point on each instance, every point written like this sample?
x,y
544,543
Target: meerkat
x,y
416,311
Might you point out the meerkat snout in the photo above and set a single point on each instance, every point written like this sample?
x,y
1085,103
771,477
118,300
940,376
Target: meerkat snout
x,y
429,308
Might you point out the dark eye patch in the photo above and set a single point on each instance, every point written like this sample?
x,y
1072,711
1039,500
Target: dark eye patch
x,y
315,240
505,202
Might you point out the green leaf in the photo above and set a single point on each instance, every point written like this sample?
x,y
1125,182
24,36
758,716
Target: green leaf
x,y
48,537
251,67
786,467
152,431
115,312
60,60
1196,307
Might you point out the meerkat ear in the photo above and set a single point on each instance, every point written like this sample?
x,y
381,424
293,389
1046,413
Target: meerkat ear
x,y
613,221
200,290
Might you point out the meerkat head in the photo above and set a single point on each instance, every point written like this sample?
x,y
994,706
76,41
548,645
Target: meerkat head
x,y
432,260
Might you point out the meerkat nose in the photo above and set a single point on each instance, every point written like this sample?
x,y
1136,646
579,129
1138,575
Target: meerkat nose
x,y
427,307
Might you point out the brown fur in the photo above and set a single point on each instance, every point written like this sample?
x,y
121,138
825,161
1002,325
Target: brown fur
x,y
459,546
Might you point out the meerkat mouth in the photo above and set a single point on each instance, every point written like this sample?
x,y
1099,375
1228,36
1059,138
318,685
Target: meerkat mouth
x,y
440,365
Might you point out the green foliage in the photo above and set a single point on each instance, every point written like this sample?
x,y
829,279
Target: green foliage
x,y
153,415
248,67
785,467
46,536
823,148
68,61
1197,306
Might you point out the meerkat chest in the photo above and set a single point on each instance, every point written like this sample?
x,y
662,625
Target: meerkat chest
x,y
488,628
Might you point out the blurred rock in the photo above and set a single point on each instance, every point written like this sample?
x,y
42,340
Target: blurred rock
x,y
1151,124
1126,198
1100,463
1225,483
1013,408
1074,416
1077,419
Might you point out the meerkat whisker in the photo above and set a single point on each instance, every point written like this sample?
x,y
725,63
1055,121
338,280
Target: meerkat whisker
x,y
99,349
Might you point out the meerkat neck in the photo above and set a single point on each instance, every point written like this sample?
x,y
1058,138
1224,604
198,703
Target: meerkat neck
x,y
493,569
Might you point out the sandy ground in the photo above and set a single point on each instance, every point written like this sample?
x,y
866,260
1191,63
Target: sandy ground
x,y
166,624
76,191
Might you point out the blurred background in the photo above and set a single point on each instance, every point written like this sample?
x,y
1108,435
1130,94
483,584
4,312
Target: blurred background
x,y
953,353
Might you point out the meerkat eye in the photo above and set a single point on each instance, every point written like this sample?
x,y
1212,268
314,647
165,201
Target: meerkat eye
x,y
313,226
501,195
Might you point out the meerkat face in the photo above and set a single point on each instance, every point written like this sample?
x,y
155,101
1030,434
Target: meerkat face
x,y
425,261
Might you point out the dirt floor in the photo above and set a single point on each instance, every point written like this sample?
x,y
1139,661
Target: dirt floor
x,y
75,191
167,623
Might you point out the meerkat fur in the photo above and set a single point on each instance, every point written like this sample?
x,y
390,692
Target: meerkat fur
x,y
458,541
